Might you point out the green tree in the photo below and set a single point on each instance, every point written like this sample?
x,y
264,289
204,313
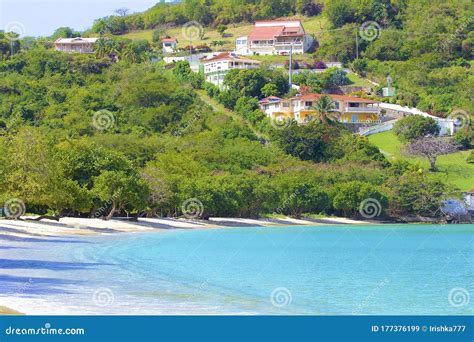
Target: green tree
x,y
269,89
415,126
350,196
221,29
122,191
414,193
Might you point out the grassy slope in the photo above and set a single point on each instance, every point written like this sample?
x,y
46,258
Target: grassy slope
x,y
453,168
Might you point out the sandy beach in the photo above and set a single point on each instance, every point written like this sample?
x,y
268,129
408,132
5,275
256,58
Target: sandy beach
x,y
70,226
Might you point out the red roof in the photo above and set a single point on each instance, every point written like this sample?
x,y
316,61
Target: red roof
x,y
222,55
312,97
169,40
278,21
265,32
270,99
229,55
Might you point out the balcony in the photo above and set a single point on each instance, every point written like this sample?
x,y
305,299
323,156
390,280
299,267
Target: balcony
x,y
361,109
296,45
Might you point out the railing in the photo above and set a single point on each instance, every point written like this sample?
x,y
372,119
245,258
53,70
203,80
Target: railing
x,y
260,45
362,109
288,44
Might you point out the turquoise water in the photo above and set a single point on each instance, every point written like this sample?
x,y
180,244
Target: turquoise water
x,y
340,270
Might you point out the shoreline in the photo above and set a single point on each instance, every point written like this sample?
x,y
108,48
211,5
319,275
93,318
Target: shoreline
x,y
5,311
72,226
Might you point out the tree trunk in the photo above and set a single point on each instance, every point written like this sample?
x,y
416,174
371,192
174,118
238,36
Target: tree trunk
x,y
432,163
112,211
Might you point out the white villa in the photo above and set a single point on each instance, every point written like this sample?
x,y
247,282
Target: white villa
x,y
350,109
274,37
169,45
80,45
216,67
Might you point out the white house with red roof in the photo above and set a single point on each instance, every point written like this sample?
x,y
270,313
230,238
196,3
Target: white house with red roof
x,y
274,37
216,67
169,45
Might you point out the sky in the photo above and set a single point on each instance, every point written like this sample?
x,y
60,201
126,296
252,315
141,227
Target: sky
x,y
43,17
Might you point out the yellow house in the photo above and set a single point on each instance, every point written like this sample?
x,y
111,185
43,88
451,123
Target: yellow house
x,y
347,109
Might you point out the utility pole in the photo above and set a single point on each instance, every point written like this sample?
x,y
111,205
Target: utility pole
x,y
357,45
290,69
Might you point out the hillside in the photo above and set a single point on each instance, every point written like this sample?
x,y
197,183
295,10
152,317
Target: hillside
x,y
312,25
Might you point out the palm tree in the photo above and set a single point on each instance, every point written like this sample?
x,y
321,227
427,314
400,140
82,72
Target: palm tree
x,y
100,47
325,109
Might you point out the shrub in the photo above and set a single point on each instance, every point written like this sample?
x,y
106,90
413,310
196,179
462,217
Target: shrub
x,y
320,65
295,65
464,137
470,158
211,89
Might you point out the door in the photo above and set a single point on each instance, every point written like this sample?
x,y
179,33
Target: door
x,y
354,118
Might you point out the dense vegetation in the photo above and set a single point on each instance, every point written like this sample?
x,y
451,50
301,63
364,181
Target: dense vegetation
x,y
135,138
113,134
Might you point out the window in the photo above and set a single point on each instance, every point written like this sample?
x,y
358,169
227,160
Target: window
x,y
308,104
286,104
